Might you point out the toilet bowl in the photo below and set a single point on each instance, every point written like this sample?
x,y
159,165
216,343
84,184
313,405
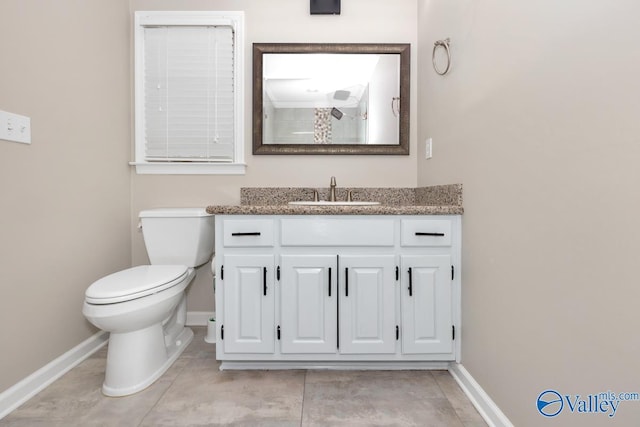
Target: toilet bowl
x,y
144,307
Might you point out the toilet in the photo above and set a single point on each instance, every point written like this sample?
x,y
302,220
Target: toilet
x,y
144,308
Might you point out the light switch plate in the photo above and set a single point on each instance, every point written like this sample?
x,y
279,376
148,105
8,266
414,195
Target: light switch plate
x,y
14,127
428,147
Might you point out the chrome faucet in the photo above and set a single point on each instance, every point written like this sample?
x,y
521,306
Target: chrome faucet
x,y
332,189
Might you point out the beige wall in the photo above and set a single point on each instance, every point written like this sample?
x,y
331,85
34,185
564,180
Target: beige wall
x,y
539,119
64,205
361,21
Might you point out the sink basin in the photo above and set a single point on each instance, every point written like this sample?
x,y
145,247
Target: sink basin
x,y
327,203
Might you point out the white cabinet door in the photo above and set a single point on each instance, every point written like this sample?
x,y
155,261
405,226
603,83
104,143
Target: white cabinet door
x,y
248,304
426,304
367,304
308,301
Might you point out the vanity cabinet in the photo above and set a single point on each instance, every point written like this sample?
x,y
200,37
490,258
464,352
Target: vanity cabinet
x,y
318,291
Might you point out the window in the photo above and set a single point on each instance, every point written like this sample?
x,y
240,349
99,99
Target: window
x,y
189,93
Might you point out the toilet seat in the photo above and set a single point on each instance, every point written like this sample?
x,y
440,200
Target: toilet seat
x,y
133,283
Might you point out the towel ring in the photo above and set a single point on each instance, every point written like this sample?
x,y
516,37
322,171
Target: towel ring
x,y
445,44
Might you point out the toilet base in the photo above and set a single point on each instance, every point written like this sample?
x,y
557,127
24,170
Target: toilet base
x,y
146,359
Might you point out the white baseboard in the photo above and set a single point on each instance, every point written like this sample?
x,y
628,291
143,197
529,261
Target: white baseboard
x,y
480,399
19,393
199,318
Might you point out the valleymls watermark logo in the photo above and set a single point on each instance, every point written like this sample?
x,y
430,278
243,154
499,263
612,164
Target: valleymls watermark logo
x,y
551,403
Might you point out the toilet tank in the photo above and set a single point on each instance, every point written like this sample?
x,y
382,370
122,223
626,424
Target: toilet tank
x,y
178,235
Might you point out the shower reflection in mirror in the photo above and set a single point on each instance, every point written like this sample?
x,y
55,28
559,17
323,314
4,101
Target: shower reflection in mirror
x,y
330,98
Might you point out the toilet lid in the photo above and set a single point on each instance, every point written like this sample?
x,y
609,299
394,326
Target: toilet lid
x,y
134,283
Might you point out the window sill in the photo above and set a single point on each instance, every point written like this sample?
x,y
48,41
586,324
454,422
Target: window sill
x,y
189,168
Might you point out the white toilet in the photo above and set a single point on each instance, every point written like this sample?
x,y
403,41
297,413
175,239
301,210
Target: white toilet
x,y
144,308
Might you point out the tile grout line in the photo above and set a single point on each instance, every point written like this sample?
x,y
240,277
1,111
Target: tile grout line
x,y
304,388
446,396
163,393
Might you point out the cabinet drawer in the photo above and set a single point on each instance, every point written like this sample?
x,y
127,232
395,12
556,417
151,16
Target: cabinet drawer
x,y
425,232
337,232
248,232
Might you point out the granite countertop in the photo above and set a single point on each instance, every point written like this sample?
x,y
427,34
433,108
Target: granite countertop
x,y
333,210
435,200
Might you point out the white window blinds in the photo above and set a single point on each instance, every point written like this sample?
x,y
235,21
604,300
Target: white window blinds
x,y
189,93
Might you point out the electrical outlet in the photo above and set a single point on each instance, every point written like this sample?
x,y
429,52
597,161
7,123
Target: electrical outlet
x,y
14,127
428,148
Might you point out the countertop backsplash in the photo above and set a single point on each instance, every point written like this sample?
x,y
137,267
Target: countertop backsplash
x,y
440,195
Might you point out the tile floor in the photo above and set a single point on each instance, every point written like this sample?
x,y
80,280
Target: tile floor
x,y
195,392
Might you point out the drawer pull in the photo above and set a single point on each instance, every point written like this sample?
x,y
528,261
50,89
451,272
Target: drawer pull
x,y
254,233
418,233
329,281
264,280
410,283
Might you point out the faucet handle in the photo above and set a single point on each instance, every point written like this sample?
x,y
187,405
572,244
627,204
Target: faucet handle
x,y
350,196
333,180
315,196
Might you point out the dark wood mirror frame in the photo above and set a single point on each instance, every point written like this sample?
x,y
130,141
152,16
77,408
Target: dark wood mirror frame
x,y
404,50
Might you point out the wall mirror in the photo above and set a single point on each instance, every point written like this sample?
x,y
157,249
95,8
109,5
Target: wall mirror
x,y
331,98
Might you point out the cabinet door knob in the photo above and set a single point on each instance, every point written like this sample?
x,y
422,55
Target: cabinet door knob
x,y
253,233
329,281
410,283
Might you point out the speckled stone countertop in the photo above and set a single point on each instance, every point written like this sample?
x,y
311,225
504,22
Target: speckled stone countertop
x,y
434,200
